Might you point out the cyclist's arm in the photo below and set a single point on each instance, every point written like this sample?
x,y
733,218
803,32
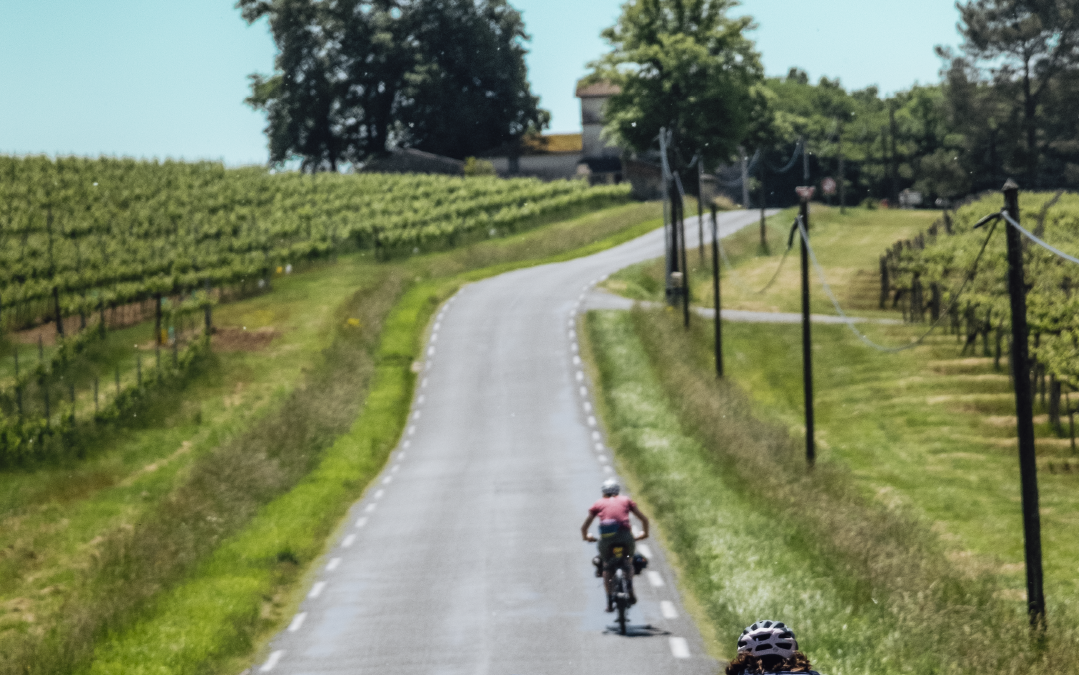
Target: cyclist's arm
x,y
585,528
644,522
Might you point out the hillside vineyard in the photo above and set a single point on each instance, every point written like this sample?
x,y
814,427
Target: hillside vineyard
x,y
86,234
931,268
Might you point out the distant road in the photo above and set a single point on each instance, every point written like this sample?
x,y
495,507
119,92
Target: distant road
x,y
465,555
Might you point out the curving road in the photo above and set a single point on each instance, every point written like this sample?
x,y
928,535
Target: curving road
x,y
464,556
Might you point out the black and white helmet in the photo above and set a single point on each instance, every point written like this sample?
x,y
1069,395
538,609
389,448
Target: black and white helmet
x,y
610,488
764,637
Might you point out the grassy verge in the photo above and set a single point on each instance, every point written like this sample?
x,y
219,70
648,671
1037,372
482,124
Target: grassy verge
x,y
847,246
203,610
866,585
925,429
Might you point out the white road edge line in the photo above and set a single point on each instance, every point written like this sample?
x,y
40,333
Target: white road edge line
x,y
272,661
333,564
369,508
360,522
348,541
317,589
655,580
297,621
379,494
667,609
679,648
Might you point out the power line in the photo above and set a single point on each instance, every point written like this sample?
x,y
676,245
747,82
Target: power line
x,y
735,276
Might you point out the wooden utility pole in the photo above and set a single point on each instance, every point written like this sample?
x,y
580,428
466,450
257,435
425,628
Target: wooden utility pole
x,y
808,371
700,215
685,269
1025,431
716,294
764,193
894,185
840,149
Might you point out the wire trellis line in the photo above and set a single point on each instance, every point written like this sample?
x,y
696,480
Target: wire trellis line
x,y
1040,242
849,322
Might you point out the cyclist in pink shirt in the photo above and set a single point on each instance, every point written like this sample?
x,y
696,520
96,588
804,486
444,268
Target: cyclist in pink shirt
x,y
614,513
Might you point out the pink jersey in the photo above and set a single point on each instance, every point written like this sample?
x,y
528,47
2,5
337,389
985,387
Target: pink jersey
x,y
613,511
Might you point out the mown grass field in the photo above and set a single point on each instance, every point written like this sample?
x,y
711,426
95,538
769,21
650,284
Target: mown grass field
x,y
175,545
926,432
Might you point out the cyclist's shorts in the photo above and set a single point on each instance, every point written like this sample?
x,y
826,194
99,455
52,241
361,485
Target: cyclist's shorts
x,y
623,538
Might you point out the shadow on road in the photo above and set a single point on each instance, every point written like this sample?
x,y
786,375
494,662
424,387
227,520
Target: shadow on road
x,y
636,631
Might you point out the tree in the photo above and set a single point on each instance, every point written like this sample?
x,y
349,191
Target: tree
x,y
1026,44
355,78
684,66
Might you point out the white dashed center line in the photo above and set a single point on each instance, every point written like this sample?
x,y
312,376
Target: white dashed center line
x,y
420,400
583,391
423,382
317,589
591,421
431,351
667,609
644,550
386,481
596,435
333,564
297,621
587,406
379,494
607,469
401,455
360,522
394,469
412,430
679,648
348,541
577,360
655,580
272,661
369,508
580,376
416,415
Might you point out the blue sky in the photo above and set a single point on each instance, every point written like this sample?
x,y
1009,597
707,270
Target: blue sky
x,y
147,78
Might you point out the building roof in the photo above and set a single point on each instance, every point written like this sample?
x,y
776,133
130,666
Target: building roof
x,y
551,143
597,90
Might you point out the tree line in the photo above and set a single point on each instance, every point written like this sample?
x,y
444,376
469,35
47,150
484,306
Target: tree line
x,y
355,78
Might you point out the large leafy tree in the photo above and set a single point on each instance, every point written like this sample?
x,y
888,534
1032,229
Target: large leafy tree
x,y
357,77
1029,48
683,65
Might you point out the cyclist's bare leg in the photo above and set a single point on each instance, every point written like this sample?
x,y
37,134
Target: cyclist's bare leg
x,y
607,588
628,569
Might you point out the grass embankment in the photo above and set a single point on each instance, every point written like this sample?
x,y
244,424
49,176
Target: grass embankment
x,y
867,586
847,246
925,432
176,543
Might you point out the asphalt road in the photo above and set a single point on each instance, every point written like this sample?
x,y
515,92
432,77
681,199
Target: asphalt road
x,y
465,556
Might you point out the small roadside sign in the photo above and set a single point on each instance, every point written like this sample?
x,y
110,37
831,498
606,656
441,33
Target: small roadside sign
x,y
828,186
805,192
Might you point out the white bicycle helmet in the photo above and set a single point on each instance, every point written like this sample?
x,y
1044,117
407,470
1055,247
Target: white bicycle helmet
x,y
764,637
610,488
